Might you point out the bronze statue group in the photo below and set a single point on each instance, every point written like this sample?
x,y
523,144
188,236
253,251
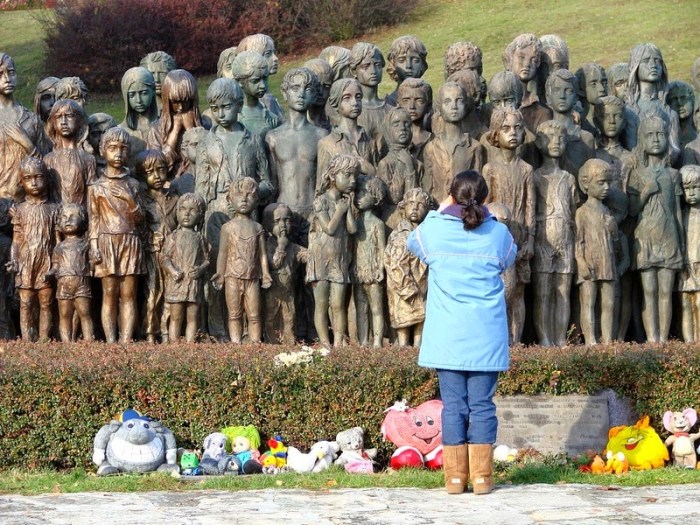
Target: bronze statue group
x,y
242,222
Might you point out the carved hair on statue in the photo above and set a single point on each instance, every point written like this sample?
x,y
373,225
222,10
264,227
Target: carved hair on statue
x,y
469,190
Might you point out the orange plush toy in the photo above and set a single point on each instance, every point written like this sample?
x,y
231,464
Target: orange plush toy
x,y
640,444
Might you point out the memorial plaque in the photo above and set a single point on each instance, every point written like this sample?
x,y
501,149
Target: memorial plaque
x,y
553,424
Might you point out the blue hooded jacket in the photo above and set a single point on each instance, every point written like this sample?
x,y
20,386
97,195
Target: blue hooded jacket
x,y
466,326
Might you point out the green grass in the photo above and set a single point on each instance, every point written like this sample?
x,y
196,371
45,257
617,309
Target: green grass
x,y
601,31
29,483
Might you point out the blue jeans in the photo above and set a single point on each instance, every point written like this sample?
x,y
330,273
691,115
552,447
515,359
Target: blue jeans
x,y
468,410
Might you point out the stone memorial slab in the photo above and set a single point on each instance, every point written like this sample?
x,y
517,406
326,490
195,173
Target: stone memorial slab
x,y
553,424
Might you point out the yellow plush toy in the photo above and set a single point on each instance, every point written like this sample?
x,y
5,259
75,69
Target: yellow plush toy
x,y
640,444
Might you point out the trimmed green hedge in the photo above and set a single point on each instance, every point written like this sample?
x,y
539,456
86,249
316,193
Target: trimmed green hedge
x,y
55,397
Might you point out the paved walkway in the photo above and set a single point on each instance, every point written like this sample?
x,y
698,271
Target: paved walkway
x,y
512,505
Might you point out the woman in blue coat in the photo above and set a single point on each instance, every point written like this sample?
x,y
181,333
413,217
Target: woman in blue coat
x,y
465,336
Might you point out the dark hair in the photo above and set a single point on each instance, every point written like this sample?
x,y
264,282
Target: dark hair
x,y
469,189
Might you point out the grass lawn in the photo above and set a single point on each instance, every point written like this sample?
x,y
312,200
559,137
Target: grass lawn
x,y
601,31
18,482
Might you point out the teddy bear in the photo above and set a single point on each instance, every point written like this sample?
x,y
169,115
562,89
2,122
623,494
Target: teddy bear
x,y
680,440
352,443
319,458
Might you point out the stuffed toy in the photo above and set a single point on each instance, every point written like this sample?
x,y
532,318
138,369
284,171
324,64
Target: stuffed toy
x,y
215,446
597,466
244,442
616,464
134,445
189,464
640,444
274,461
417,432
352,447
320,457
680,440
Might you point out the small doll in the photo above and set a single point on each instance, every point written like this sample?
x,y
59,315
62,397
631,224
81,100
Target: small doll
x,y
70,167
596,253
366,65
452,150
406,59
250,70
98,123
333,223
71,268
264,45
244,443
242,262
35,234
655,191
689,279
180,112
185,260
367,267
399,170
285,258
406,275
346,136
416,97
511,182
158,206
114,221
553,258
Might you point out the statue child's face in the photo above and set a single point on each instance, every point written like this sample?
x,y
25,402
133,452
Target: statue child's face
x,y
116,154
363,199
188,214
503,99
159,71
240,444
140,97
8,78
46,102
596,85
95,135
66,122
691,193
225,112
650,66
71,222
654,138
415,209
454,104
399,130
562,96
599,185
620,88
351,102
156,175
34,182
281,222
273,61
409,65
613,121
682,103
369,71
525,62
552,142
255,85
243,198
300,95
512,133
345,180
414,102
179,107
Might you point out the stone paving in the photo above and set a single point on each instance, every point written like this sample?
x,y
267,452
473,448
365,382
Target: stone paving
x,y
512,505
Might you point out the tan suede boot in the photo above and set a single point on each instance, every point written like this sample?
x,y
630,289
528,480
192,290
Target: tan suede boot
x,y
455,463
481,467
